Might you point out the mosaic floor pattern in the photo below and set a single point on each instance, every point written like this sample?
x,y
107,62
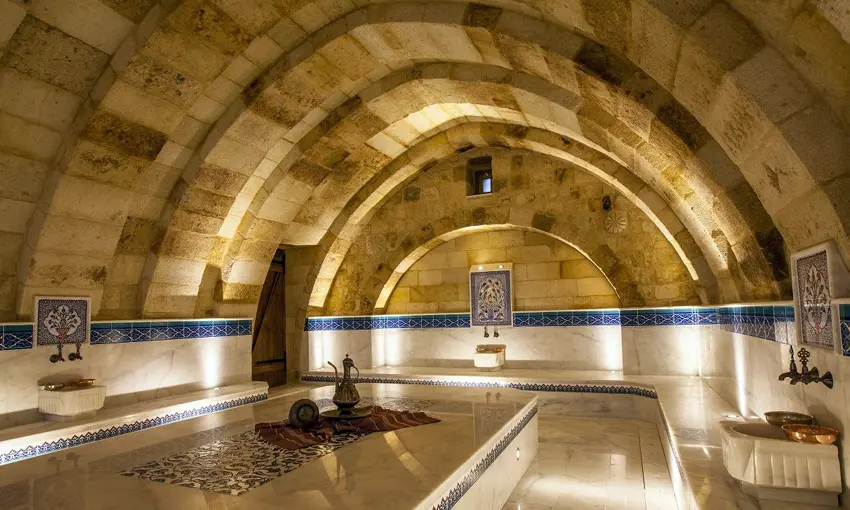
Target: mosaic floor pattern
x,y
234,465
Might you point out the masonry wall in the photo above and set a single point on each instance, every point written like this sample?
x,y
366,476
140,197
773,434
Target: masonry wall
x,y
547,274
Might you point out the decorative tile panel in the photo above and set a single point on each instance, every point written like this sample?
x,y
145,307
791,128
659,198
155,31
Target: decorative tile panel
x,y
813,295
490,298
62,320
844,322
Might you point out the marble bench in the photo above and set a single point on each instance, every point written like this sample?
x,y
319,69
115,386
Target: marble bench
x,y
40,438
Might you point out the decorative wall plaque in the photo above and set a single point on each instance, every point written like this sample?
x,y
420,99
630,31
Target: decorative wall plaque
x,y
818,277
491,295
60,321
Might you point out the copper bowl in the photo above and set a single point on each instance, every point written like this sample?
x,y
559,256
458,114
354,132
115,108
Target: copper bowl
x,y
52,387
83,382
810,434
780,418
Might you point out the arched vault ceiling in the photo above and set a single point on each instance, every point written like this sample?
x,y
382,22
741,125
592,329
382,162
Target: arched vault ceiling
x,y
461,139
427,247
142,83
531,191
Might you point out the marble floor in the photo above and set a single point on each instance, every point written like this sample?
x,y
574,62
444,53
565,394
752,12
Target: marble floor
x,y
216,462
595,464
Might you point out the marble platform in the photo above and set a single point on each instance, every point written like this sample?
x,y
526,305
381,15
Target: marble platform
x,y
44,437
472,459
686,409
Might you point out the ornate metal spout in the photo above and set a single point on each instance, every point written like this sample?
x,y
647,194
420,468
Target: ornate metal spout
x,y
807,375
792,369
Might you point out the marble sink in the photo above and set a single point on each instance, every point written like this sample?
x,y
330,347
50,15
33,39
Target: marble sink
x,y
770,467
71,403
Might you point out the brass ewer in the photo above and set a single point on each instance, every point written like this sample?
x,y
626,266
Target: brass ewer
x,y
346,395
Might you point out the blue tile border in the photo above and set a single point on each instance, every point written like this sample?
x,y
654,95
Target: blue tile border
x,y
768,322
444,320
90,437
611,389
20,336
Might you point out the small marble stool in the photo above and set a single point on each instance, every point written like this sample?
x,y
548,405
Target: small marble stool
x,y
489,357
71,403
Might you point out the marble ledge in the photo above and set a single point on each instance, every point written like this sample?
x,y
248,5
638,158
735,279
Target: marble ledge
x,y
689,413
30,440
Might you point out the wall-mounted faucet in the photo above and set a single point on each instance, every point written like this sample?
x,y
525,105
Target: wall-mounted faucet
x,y
806,375
792,369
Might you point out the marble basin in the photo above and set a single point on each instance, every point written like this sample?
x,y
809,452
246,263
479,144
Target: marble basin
x,y
769,466
760,430
71,403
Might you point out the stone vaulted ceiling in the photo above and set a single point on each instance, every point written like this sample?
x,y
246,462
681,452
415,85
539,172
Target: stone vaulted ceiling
x,y
154,154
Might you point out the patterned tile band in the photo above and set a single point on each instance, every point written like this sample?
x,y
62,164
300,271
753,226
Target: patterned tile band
x,y
611,389
844,325
768,322
458,491
90,437
20,336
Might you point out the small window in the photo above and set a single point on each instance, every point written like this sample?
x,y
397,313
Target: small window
x,y
480,176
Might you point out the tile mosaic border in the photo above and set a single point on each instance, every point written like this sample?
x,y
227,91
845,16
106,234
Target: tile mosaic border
x,y
20,336
461,488
612,389
445,320
62,443
126,332
763,321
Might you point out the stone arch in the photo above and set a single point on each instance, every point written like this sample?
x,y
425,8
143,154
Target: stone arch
x,y
825,206
461,138
401,225
430,245
280,229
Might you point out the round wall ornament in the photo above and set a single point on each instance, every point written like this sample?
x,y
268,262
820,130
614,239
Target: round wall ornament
x,y
615,222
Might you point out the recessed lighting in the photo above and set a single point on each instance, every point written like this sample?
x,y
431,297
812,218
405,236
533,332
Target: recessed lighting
x,y
517,453
501,266
480,268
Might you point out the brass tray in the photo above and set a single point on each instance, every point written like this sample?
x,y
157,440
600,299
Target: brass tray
x,y
347,414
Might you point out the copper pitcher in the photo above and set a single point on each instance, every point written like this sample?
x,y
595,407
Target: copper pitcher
x,y
346,395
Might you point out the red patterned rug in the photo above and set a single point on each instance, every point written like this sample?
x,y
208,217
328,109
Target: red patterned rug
x,y
290,438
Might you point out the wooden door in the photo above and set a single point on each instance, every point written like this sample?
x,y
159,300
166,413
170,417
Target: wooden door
x,y
269,346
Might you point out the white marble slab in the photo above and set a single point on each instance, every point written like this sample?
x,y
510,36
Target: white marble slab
x,y
572,348
68,403
40,433
132,372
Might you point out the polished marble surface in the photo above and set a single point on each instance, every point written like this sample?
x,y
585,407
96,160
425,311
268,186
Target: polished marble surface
x,y
689,420
383,470
595,463
131,372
